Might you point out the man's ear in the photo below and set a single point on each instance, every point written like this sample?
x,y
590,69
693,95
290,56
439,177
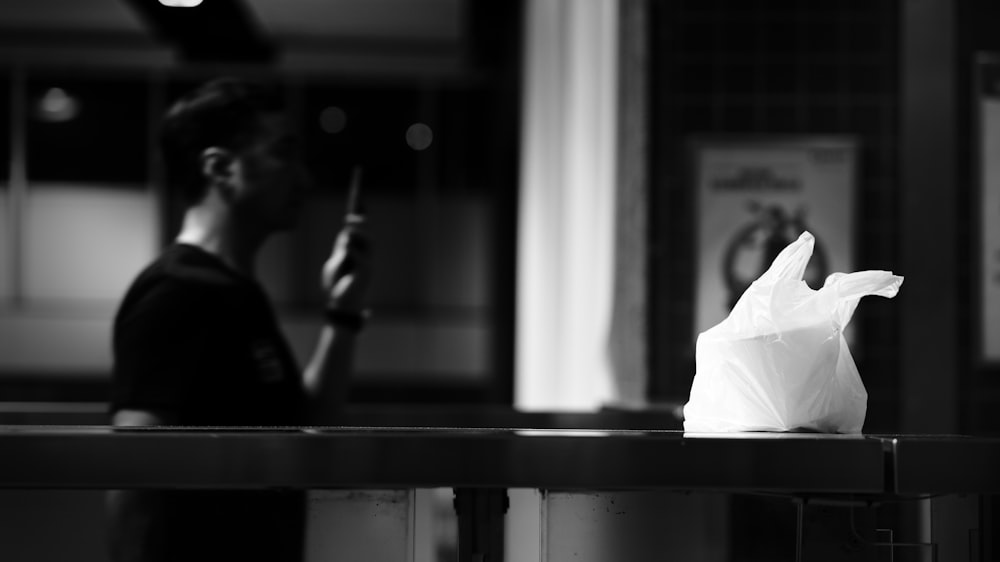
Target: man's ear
x,y
217,169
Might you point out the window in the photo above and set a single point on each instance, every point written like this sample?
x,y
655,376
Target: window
x,y
88,218
87,129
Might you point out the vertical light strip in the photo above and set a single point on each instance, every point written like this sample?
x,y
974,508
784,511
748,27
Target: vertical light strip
x,y
537,333
17,196
566,221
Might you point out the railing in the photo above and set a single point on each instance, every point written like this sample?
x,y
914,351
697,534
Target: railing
x,y
577,483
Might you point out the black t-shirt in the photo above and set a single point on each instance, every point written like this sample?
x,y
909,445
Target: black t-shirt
x,y
200,342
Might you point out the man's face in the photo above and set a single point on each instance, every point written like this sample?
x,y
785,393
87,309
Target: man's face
x,y
272,177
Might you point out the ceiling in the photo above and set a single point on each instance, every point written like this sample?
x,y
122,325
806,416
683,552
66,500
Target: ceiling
x,y
231,29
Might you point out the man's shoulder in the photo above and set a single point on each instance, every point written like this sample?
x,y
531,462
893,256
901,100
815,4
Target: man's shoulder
x,y
180,276
184,264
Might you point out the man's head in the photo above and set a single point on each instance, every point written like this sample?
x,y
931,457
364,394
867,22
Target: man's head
x,y
232,135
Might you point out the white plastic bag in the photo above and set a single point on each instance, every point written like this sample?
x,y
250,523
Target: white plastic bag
x,y
779,361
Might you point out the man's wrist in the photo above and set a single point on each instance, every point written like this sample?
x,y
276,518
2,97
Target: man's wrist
x,y
350,319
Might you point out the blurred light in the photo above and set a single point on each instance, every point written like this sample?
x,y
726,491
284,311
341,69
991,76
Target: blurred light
x,y
56,106
180,3
419,136
333,120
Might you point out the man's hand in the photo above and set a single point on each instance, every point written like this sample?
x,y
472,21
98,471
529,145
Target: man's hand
x,y
346,274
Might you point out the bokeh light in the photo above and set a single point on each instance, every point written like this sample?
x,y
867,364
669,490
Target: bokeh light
x,y
180,3
56,105
419,136
333,120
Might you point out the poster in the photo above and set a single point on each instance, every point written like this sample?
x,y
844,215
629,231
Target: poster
x,y
989,158
754,197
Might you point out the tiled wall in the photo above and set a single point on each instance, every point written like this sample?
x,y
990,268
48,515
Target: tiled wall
x,y
759,67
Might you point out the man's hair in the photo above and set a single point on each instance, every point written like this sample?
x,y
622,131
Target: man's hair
x,y
224,113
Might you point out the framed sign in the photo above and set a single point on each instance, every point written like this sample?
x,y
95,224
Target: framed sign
x,y
755,195
987,92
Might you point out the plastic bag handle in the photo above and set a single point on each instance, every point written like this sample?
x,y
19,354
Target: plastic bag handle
x,y
792,261
864,283
848,289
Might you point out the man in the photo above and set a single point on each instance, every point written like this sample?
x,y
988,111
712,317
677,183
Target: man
x,y
196,342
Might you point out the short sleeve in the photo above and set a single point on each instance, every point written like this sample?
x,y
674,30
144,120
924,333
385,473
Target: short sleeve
x,y
157,342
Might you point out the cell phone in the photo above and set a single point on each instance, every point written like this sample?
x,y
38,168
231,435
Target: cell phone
x,y
355,213
354,217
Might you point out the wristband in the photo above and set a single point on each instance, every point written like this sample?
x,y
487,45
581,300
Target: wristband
x,y
353,320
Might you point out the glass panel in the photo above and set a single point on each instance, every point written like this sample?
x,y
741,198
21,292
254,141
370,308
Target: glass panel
x,y
367,125
85,242
821,70
425,179
87,128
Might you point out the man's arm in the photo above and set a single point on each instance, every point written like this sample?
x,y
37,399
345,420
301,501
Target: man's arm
x,y
134,531
345,279
327,376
